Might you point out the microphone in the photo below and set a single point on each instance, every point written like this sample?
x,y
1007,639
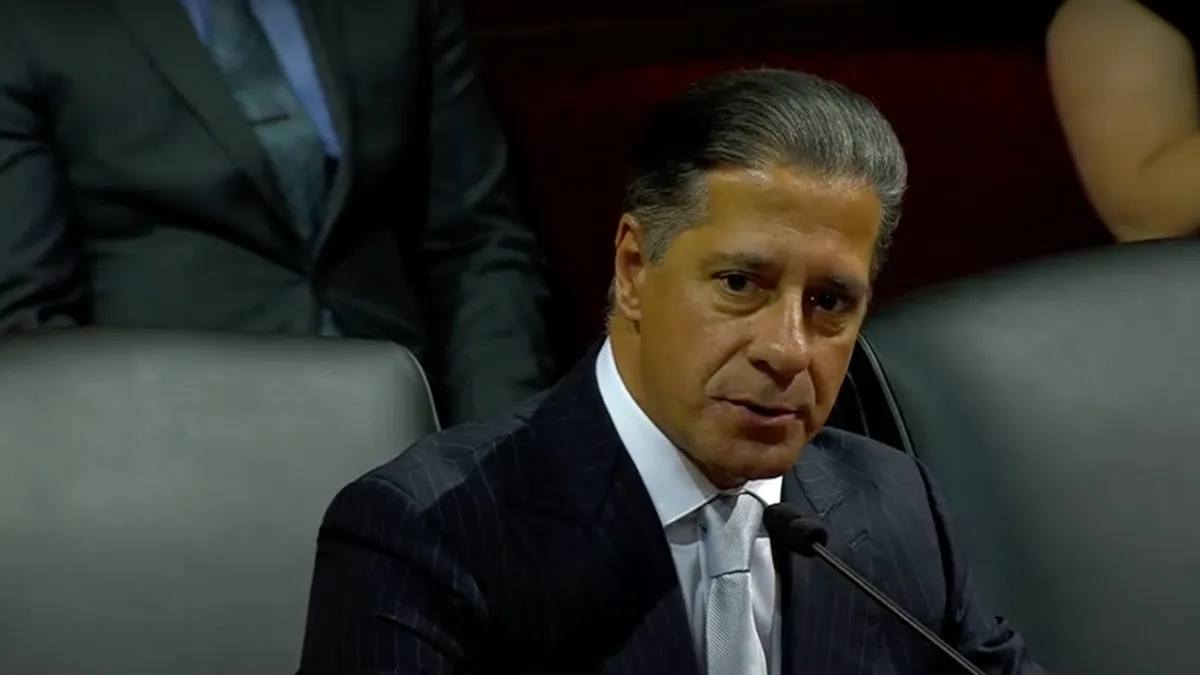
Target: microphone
x,y
789,528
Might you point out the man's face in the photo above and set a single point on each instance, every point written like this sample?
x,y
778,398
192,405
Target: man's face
x,y
745,329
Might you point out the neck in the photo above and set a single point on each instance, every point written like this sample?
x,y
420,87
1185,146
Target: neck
x,y
626,348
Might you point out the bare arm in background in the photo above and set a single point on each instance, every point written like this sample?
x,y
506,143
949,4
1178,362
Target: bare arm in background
x,y
1124,82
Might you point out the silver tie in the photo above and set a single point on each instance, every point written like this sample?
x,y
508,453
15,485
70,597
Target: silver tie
x,y
732,645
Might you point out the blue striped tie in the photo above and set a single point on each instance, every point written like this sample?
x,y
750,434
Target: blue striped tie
x,y
244,57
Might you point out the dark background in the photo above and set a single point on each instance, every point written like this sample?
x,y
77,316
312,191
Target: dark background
x,y
963,82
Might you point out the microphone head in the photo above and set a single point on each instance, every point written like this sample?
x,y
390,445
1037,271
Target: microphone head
x,y
777,518
786,525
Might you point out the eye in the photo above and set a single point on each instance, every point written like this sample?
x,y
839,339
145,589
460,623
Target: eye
x,y
736,283
832,303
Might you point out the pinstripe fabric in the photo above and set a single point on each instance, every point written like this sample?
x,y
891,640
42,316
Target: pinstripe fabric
x,y
533,547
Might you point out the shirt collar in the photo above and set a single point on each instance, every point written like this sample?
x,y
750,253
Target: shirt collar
x,y
676,486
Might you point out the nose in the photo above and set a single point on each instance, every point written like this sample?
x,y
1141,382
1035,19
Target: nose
x,y
780,345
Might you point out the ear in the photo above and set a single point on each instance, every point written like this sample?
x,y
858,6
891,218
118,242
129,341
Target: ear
x,y
629,269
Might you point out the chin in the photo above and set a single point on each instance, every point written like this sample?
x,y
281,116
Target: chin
x,y
760,462
730,457
735,478
772,470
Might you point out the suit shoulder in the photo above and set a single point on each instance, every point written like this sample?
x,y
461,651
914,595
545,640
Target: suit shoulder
x,y
452,461
892,485
848,445
867,459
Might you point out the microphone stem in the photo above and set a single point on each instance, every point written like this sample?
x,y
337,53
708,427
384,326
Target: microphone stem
x,y
896,610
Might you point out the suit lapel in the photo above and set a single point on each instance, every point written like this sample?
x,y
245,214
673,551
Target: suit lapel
x,y
324,26
168,37
660,639
582,478
821,609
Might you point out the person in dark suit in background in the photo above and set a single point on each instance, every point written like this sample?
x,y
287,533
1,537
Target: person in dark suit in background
x,y
615,525
1123,74
300,166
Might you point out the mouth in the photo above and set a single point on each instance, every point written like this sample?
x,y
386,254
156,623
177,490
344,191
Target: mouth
x,y
767,412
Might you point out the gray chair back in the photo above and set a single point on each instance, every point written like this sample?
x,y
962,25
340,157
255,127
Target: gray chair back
x,y
1058,404
160,493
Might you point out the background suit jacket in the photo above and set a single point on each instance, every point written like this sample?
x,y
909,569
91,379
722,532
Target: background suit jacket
x,y
133,192
535,547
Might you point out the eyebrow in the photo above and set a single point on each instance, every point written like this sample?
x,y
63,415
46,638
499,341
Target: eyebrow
x,y
846,285
751,262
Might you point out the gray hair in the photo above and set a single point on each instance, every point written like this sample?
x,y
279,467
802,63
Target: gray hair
x,y
754,120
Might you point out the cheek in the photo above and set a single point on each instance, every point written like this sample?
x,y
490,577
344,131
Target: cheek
x,y
695,357
688,340
675,320
829,369
721,360
696,354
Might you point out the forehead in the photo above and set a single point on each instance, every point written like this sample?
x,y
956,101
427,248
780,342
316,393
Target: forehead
x,y
790,219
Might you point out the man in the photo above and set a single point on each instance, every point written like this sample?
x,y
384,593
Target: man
x,y
266,165
615,526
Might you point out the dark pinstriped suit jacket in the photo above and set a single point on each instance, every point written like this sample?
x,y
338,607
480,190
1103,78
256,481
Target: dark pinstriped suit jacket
x,y
534,547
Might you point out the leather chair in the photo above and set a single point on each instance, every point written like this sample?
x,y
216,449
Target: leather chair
x,y
160,493
1058,405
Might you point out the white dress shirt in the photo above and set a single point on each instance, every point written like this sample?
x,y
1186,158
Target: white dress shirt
x,y
678,490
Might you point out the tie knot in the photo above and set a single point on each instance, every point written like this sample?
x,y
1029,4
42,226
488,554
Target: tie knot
x,y
731,524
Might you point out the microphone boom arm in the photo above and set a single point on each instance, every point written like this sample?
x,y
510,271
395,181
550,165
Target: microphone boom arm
x,y
893,609
789,528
